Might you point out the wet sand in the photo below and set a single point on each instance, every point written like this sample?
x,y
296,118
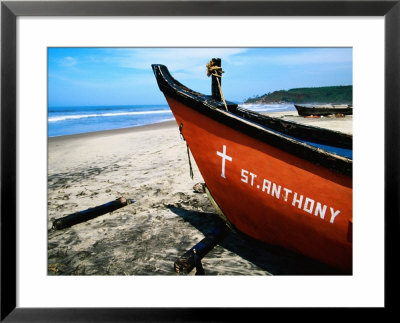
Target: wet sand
x,y
149,165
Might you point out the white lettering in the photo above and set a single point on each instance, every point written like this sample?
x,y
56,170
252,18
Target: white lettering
x,y
320,210
266,186
299,200
244,178
276,190
287,191
252,178
308,205
334,214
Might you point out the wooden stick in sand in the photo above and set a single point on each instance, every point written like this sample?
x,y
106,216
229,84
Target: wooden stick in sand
x,y
89,214
185,263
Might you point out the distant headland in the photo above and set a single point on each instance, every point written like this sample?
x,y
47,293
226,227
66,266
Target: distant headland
x,y
327,94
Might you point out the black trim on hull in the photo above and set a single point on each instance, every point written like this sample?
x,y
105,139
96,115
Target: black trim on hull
x,y
243,123
297,130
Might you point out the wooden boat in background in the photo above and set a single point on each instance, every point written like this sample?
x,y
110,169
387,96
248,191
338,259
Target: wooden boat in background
x,y
324,110
274,181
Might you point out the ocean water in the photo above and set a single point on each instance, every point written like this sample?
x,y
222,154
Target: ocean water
x,y
75,120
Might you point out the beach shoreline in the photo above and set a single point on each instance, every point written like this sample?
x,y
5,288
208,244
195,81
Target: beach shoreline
x,y
150,165
338,124
151,126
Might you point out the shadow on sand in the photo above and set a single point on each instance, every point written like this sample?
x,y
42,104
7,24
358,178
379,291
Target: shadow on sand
x,y
272,259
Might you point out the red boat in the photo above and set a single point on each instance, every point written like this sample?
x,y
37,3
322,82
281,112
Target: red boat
x,y
275,181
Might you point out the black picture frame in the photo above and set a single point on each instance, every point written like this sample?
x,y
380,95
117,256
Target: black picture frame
x,y
10,10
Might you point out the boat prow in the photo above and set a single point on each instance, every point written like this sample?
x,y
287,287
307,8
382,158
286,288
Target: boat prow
x,y
275,181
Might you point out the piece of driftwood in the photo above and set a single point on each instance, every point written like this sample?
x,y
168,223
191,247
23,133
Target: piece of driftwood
x,y
186,263
89,214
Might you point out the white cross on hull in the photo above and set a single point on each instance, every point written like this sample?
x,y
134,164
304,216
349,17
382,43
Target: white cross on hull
x,y
224,157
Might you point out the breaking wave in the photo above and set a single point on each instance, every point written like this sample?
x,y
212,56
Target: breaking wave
x,y
108,114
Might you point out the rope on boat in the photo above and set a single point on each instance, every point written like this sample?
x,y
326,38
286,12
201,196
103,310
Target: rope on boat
x,y
190,164
188,153
217,72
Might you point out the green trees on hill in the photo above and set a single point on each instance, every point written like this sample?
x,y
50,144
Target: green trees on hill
x,y
326,94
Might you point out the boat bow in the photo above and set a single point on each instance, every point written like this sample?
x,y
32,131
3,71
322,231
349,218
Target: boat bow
x,y
278,133
265,177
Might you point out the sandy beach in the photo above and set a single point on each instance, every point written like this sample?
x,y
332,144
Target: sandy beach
x,y
148,164
341,124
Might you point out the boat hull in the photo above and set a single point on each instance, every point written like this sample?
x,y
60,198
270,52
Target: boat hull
x,y
323,111
270,194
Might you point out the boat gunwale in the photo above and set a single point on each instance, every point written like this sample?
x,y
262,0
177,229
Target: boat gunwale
x,y
206,105
342,140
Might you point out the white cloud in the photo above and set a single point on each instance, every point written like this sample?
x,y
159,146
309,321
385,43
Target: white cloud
x,y
185,62
68,61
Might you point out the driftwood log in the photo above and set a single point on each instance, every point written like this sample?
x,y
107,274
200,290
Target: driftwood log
x,y
89,214
185,263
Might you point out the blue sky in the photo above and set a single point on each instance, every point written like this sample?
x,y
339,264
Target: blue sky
x,y
123,76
